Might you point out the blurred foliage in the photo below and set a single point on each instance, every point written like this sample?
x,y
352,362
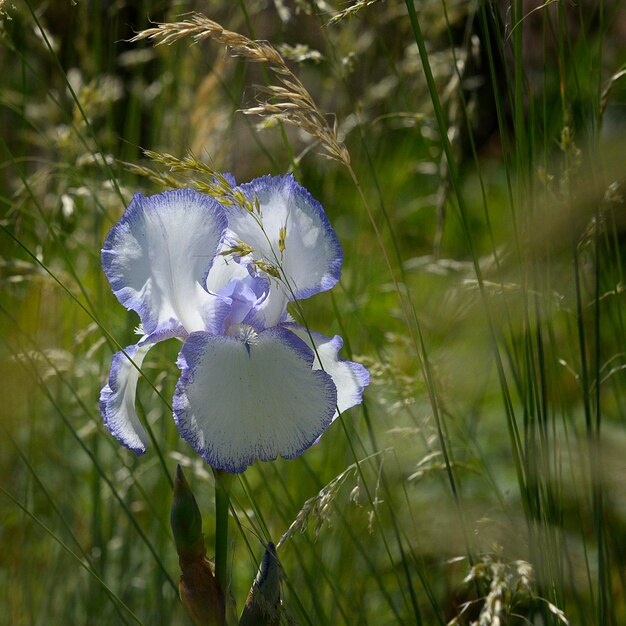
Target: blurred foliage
x,y
496,413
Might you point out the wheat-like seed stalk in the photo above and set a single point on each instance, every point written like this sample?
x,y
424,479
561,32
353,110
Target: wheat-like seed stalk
x,y
160,178
288,102
320,507
509,584
351,11
216,184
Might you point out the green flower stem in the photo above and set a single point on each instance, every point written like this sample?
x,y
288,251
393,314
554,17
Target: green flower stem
x,y
223,484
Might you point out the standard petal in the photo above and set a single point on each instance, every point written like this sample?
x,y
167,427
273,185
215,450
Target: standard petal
x,y
272,310
298,236
158,255
349,377
237,401
225,268
117,398
241,288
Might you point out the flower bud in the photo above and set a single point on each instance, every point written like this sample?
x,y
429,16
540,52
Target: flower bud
x,y
263,604
199,591
200,594
185,517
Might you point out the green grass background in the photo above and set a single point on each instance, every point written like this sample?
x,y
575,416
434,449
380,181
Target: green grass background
x,y
493,431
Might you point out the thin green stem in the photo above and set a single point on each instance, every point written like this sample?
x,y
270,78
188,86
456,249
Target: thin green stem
x,y
463,214
223,484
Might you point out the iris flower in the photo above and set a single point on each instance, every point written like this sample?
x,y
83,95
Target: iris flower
x,y
219,276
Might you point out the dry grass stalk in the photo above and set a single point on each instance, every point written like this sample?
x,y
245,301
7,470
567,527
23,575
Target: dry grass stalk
x,y
215,183
510,585
319,507
160,178
288,102
351,11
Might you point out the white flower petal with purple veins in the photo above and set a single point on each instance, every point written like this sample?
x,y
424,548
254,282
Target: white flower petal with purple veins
x,y
272,310
293,220
117,398
230,276
251,396
157,258
349,377
240,287
225,268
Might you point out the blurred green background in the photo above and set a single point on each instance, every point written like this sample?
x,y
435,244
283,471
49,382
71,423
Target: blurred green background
x,y
486,466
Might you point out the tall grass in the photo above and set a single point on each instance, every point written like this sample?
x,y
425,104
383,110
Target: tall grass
x,y
475,180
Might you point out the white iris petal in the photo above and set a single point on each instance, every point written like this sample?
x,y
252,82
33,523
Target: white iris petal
x,y
295,234
349,377
117,399
158,255
236,402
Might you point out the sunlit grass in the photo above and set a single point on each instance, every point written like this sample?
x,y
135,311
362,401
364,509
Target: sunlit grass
x,y
481,214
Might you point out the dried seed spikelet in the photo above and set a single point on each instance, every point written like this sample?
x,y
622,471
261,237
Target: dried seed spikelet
x,y
282,235
268,268
238,249
217,186
160,178
350,11
319,507
509,584
288,102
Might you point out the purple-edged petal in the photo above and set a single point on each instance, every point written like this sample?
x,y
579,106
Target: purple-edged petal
x,y
349,377
157,258
272,310
251,396
240,287
254,297
225,268
117,398
312,255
